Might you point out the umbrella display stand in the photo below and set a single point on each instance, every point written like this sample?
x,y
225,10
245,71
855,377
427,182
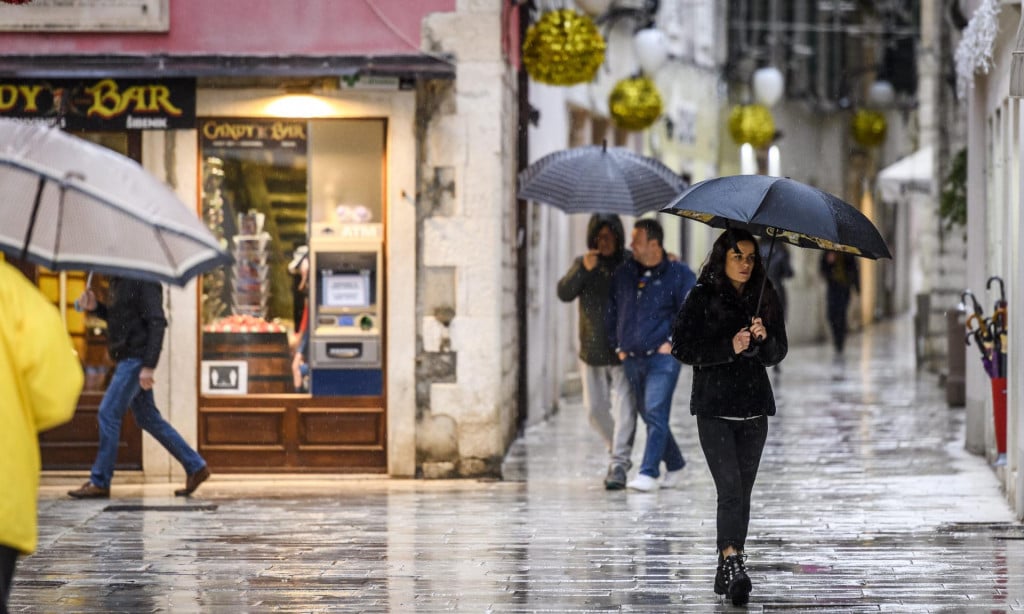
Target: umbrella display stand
x,y
999,417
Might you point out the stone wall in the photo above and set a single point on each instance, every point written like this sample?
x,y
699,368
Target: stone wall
x,y
467,357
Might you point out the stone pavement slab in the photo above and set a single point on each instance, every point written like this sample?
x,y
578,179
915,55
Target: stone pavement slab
x,y
866,502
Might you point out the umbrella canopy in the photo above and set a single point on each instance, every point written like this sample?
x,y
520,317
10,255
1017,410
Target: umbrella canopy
x,y
600,179
781,208
72,205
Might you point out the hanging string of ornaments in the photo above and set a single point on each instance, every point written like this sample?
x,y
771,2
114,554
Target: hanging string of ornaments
x,y
751,123
868,128
635,103
566,48
563,48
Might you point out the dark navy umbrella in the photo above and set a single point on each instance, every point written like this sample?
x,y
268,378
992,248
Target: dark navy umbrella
x,y
600,179
783,209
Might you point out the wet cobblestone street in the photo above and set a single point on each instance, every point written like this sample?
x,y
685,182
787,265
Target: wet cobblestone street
x,y
866,502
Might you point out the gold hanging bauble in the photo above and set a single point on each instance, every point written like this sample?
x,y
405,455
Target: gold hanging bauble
x,y
563,48
635,104
868,128
752,123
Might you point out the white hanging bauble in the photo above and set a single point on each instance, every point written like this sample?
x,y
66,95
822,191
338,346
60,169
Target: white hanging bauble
x,y
651,47
881,95
769,85
594,7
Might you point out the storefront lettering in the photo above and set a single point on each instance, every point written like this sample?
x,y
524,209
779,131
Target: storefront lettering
x,y
281,131
108,101
11,95
235,132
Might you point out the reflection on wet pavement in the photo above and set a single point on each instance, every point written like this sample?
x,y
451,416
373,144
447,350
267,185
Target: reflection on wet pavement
x,y
866,502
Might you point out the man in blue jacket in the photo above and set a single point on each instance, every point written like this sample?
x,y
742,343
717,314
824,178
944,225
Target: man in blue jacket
x,y
647,292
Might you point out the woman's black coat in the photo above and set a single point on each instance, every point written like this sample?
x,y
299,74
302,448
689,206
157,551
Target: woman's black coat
x,y
726,383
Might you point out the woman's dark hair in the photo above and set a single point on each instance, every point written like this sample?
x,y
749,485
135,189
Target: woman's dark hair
x,y
614,224
713,271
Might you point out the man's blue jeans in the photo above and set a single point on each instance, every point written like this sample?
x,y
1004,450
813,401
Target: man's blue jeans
x,y
124,391
653,380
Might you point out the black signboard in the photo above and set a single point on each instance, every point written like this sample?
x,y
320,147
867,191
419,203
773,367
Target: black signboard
x,y
102,104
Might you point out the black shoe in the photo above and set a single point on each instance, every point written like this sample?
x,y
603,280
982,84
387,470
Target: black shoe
x,y
737,583
616,478
720,582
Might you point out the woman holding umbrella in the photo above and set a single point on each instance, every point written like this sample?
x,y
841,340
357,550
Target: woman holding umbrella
x,y
730,342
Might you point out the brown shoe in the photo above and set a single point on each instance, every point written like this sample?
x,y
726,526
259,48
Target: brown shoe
x,y
90,491
193,482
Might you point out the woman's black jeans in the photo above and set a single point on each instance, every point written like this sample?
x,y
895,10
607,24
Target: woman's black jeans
x,y
733,452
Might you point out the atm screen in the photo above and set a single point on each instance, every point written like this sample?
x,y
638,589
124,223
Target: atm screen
x,y
346,289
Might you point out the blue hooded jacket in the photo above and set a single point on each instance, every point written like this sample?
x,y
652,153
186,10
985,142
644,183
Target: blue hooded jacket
x,y
643,304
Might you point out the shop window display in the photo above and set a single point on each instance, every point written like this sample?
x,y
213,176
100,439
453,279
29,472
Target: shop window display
x,y
254,200
265,184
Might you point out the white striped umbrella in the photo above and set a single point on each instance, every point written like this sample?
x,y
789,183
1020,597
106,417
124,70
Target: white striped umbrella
x,y
69,204
600,179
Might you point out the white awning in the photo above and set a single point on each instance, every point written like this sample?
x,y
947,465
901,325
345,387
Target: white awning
x,y
912,173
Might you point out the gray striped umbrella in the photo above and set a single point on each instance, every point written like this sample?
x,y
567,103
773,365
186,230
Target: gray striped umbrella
x,y
70,204
600,179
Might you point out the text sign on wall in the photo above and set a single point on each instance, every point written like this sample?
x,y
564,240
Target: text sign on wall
x,y
87,16
249,133
102,104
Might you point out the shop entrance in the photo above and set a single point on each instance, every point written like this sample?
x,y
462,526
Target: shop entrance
x,y
283,373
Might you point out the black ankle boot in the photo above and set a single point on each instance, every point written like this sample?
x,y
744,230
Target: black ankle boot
x,y
720,581
737,583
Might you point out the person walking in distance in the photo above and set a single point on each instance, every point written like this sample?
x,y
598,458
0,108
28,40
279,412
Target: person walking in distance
x,y
647,291
841,276
135,333
605,391
40,380
729,343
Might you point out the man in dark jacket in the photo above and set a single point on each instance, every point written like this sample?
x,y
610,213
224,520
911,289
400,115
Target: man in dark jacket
x,y
605,391
135,335
647,292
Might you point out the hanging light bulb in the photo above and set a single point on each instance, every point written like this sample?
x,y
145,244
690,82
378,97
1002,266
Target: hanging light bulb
x,y
769,85
651,47
594,7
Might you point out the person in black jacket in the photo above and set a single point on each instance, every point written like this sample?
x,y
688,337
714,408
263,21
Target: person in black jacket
x,y
730,345
606,393
135,336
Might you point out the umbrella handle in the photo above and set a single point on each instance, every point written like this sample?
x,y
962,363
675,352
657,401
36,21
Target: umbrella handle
x,y
1002,287
975,304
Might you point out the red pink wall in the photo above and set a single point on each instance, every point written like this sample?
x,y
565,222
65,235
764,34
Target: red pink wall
x,y
255,27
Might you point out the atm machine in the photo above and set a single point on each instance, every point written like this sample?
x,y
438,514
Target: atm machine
x,y
347,317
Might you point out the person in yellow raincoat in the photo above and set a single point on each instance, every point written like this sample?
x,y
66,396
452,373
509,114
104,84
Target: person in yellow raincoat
x,y
40,380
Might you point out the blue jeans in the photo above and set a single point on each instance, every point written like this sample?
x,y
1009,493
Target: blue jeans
x,y
653,380
123,392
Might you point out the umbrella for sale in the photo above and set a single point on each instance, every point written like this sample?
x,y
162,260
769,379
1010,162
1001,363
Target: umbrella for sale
x,y
72,205
783,209
978,328
600,179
